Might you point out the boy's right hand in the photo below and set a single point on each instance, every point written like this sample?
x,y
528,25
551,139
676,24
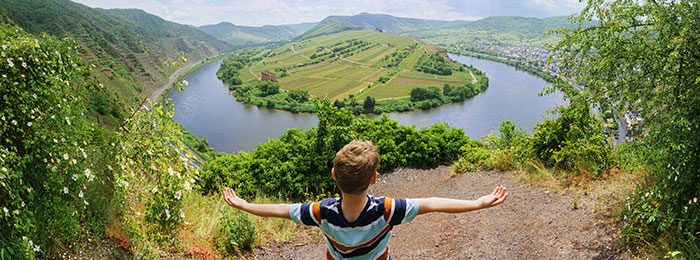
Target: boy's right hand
x,y
232,199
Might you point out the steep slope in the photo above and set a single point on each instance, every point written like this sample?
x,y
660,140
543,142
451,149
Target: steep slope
x,y
132,51
245,36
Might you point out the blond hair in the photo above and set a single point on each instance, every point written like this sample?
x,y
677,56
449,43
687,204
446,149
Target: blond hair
x,y
355,165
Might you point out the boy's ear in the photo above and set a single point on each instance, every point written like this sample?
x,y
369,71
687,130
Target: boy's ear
x,y
333,173
374,178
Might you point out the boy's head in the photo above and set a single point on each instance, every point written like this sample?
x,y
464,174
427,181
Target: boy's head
x,y
355,165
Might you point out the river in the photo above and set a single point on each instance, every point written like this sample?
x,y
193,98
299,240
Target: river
x,y
206,109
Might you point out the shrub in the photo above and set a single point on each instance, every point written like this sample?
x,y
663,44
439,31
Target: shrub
x,y
235,234
49,152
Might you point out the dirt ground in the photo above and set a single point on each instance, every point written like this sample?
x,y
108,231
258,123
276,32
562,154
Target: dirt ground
x,y
533,223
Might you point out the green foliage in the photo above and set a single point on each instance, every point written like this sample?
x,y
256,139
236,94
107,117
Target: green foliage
x,y
50,154
235,234
369,104
419,94
156,173
298,163
434,63
267,88
394,59
642,56
299,95
573,141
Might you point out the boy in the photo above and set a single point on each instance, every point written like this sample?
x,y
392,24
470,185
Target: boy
x,y
357,225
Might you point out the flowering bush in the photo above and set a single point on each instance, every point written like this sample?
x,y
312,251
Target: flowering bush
x,y
156,172
46,147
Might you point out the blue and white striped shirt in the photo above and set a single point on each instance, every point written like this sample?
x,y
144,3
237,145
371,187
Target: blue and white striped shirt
x,y
365,238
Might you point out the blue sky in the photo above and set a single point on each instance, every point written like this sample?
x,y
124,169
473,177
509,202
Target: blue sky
x,y
261,12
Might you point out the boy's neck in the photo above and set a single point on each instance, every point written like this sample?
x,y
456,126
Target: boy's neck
x,y
352,205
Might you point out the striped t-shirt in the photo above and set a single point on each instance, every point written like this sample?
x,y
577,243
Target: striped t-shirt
x,y
365,238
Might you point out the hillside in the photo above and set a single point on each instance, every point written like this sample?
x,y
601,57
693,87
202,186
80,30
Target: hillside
x,y
132,51
356,62
504,29
246,36
380,22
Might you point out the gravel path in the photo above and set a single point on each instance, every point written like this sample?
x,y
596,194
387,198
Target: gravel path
x,y
532,224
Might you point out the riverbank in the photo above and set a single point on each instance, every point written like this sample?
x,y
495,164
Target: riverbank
x,y
548,76
179,74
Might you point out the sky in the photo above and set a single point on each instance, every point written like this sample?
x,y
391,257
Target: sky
x,y
275,12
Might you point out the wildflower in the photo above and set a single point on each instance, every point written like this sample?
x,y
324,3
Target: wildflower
x,y
73,161
14,122
89,175
65,190
24,64
29,124
187,185
65,156
4,47
182,214
80,194
695,200
185,82
2,53
67,120
178,195
86,203
171,171
74,177
23,204
167,213
154,190
10,62
4,169
7,211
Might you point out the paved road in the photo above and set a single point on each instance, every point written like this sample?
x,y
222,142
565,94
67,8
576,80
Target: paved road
x,y
171,80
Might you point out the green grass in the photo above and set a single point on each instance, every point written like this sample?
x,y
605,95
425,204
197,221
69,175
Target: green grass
x,y
336,77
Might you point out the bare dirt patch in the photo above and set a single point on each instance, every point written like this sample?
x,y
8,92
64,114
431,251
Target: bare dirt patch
x,y
533,223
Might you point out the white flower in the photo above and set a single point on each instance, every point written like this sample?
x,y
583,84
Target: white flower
x,y
67,120
187,185
74,177
171,171
178,195
80,194
4,47
24,64
23,204
4,169
73,161
7,211
185,82
14,122
695,200
65,190
154,190
29,124
10,62
167,213
86,203
182,214
2,53
88,174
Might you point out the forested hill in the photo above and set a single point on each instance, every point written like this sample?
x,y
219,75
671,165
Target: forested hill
x,y
497,28
133,51
245,36
381,22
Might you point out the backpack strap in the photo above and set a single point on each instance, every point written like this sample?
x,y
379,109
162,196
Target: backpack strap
x,y
388,208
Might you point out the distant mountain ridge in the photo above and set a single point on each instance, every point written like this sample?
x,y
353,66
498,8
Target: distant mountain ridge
x,y
245,36
413,26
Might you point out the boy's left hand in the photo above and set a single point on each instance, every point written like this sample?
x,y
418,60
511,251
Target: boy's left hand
x,y
232,199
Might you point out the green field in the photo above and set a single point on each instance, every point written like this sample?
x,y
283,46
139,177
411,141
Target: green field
x,y
349,62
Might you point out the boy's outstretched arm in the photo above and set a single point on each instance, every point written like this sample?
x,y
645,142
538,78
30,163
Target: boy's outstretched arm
x,y
263,210
428,205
